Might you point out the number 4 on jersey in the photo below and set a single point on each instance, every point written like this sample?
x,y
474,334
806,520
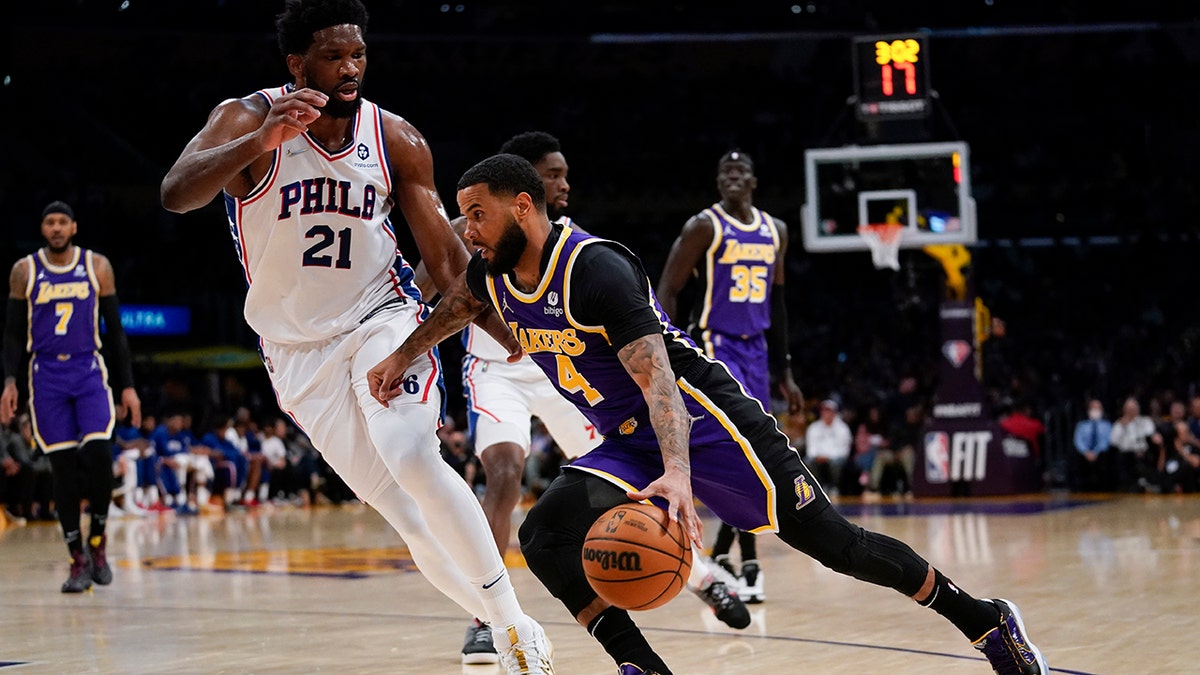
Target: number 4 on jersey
x,y
570,380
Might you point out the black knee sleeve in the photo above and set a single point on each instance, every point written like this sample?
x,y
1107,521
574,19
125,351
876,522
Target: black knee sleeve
x,y
553,533
96,461
849,549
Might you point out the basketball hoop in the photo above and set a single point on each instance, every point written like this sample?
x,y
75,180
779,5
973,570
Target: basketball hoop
x,y
884,241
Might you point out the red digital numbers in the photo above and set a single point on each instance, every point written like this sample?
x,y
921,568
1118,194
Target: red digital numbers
x,y
899,55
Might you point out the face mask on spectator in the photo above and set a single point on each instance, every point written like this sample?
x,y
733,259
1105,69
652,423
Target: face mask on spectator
x,y
1095,413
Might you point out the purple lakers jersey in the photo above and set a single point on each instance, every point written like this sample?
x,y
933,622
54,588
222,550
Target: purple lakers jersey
x,y
577,358
63,305
740,269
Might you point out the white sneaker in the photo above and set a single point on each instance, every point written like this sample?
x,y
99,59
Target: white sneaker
x,y
524,648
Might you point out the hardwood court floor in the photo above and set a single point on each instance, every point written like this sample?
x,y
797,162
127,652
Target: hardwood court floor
x,y
1107,585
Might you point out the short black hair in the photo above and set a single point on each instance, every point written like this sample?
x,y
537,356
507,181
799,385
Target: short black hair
x,y
301,18
509,175
58,206
532,145
736,155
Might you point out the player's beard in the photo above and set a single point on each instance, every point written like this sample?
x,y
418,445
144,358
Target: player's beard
x,y
507,251
336,107
59,250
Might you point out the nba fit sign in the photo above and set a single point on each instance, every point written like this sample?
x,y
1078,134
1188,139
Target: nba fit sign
x,y
964,451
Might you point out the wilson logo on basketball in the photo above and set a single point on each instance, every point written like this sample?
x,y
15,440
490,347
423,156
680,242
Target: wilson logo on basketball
x,y
625,561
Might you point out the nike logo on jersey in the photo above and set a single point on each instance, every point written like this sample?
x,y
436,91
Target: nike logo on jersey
x,y
291,152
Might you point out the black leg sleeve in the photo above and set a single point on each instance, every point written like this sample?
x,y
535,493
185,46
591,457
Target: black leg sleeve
x,y
65,467
96,461
554,529
748,544
812,525
849,549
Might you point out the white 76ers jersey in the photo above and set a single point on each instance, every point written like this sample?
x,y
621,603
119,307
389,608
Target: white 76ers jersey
x,y
314,237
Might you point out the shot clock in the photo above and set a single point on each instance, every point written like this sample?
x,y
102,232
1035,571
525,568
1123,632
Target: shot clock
x,y
891,77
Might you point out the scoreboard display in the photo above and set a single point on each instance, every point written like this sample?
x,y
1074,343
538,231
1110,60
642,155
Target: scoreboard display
x,y
891,77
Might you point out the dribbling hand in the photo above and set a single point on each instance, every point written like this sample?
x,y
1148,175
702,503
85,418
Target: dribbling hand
x,y
677,491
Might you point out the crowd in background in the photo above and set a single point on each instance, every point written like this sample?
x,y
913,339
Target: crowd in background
x,y
1084,199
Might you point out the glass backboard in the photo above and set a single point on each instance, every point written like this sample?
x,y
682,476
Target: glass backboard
x,y
924,187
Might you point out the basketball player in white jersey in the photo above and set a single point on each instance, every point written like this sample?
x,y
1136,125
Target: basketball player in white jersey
x,y
503,397
310,172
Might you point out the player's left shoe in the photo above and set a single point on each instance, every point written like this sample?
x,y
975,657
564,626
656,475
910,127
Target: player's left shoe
x,y
81,574
1008,647
524,648
101,572
478,647
726,604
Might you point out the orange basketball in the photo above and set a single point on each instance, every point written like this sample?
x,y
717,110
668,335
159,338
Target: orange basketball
x,y
636,558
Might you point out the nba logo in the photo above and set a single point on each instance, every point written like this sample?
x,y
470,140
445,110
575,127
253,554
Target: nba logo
x,y
937,457
956,351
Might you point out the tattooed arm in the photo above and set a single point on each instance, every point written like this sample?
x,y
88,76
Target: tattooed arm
x,y
456,309
645,359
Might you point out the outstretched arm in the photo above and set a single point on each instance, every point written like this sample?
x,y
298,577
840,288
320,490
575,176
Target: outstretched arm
x,y
456,309
442,251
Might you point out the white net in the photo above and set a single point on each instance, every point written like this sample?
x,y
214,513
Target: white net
x,y
884,242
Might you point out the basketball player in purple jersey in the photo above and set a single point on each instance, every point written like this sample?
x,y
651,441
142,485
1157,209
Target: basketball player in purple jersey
x,y
735,253
56,299
310,173
503,397
675,422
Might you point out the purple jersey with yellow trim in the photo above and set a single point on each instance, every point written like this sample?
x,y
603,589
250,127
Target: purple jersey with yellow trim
x,y
69,397
739,272
566,349
63,305
729,430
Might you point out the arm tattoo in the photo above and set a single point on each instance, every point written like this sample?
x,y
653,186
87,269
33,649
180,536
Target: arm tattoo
x,y
646,360
456,309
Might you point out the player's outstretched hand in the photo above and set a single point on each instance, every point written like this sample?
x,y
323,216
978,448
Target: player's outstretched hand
x,y
384,379
677,490
290,116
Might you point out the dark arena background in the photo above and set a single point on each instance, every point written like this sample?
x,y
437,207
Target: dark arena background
x,y
1081,123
